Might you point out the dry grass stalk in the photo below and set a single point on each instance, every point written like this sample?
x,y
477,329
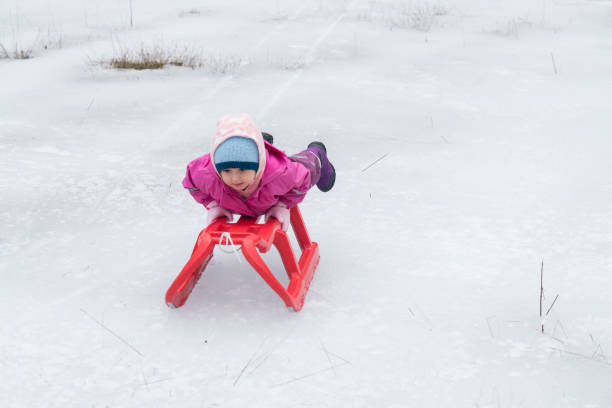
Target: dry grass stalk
x,y
18,53
543,316
541,293
156,58
4,51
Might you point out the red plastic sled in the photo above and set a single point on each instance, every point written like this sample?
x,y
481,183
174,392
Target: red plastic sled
x,y
252,237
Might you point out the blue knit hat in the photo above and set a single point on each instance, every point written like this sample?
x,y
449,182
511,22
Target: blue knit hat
x,y
237,152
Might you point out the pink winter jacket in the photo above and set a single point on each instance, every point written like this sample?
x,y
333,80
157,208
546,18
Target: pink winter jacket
x,y
279,180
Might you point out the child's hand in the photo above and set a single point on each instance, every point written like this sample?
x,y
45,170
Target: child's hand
x,y
281,213
216,211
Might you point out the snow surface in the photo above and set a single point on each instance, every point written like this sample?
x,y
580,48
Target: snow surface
x,y
494,126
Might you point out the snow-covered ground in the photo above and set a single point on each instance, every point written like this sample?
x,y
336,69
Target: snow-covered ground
x,y
492,121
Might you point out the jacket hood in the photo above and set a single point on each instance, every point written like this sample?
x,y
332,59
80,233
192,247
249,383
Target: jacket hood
x,y
240,125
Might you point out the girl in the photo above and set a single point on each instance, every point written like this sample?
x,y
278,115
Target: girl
x,y
246,175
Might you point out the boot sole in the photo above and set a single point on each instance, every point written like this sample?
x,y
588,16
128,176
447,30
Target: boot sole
x,y
332,181
333,175
318,144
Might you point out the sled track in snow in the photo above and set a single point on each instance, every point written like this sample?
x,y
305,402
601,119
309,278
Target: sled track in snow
x,y
309,57
208,96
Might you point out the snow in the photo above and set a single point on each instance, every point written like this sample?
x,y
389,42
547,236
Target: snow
x,y
492,127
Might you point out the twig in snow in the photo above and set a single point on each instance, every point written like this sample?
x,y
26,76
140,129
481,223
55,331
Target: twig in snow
x,y
431,122
6,54
242,371
541,292
598,350
309,375
328,357
553,303
339,357
131,15
426,319
113,333
91,103
269,353
554,64
156,382
248,363
561,327
265,356
376,161
543,317
263,360
557,339
581,355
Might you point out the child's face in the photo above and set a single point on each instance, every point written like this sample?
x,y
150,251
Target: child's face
x,y
238,179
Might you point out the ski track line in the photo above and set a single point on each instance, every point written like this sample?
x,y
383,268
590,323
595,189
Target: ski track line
x,y
197,106
176,125
309,58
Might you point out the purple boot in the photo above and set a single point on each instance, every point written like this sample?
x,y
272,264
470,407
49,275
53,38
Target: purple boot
x,y
328,172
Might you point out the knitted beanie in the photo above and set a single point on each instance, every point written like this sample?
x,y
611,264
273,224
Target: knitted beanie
x,y
237,152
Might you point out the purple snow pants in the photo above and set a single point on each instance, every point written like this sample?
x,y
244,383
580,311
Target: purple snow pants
x,y
312,163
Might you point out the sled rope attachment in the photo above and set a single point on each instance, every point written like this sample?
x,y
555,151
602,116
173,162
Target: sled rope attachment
x,y
229,242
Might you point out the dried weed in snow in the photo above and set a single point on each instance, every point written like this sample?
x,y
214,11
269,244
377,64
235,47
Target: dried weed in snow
x,y
159,56
155,57
414,15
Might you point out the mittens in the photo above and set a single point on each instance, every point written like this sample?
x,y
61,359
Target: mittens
x,y
281,213
216,211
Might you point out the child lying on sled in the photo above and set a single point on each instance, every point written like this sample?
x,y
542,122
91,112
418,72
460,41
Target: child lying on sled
x,y
245,174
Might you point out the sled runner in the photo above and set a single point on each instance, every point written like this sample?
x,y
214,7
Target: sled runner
x,y
253,237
